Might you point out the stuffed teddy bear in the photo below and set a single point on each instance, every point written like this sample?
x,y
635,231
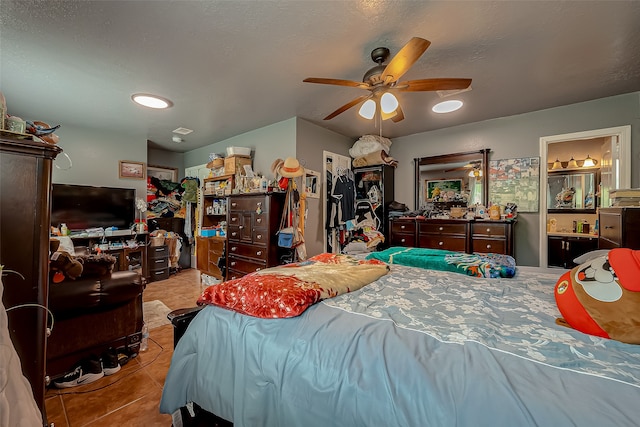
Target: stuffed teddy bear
x,y
64,266
602,296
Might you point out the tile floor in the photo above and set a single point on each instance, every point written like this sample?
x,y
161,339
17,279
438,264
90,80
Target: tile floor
x,y
130,397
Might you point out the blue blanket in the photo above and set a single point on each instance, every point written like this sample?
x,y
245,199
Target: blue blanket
x,y
477,264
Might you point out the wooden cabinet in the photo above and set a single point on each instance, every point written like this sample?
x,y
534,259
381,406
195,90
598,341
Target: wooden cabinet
x,y
158,262
562,250
469,236
210,256
25,211
619,228
252,223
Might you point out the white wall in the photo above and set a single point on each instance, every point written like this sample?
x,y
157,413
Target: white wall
x,y
518,136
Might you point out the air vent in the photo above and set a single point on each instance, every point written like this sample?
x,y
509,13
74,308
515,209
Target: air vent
x,y
182,131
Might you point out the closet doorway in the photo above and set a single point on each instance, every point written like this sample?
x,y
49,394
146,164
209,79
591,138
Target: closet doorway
x,y
614,161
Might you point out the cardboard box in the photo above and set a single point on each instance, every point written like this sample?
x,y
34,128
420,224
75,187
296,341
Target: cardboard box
x,y
235,164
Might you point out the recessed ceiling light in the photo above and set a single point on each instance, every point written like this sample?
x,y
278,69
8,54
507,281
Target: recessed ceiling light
x,y
151,101
447,106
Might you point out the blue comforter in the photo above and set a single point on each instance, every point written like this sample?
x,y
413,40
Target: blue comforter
x,y
414,348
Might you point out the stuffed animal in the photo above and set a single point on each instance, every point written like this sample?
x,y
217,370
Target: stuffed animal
x,y
602,296
64,266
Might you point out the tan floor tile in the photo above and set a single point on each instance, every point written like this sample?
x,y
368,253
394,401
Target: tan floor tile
x,y
55,410
141,412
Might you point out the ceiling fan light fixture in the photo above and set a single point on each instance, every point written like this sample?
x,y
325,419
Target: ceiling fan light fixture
x,y
388,103
447,106
151,101
368,109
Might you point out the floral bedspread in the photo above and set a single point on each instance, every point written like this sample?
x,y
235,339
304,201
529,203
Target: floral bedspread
x,y
515,316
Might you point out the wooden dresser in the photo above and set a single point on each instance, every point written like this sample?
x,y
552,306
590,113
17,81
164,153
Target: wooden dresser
x,y
158,263
469,236
252,223
25,186
619,228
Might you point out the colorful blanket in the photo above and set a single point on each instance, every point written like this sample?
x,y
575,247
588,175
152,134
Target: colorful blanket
x,y
476,264
288,290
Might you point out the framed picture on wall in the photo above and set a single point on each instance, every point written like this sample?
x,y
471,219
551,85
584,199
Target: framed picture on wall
x,y
130,169
163,173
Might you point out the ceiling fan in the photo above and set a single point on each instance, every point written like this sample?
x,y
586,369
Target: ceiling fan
x,y
382,82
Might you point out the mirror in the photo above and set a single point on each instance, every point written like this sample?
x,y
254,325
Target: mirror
x,y
449,180
572,191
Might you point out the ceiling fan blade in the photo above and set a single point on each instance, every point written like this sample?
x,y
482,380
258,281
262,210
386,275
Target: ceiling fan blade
x,y
337,82
399,115
404,59
348,105
432,85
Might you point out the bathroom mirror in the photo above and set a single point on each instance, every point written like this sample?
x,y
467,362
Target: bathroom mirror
x,y
572,191
459,179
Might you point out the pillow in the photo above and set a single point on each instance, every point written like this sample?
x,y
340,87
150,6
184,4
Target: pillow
x,y
602,296
590,255
96,264
288,290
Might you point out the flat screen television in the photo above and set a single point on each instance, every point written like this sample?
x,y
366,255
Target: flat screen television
x,y
82,206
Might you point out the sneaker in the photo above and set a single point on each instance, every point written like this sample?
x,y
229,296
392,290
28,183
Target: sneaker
x,y
87,371
110,363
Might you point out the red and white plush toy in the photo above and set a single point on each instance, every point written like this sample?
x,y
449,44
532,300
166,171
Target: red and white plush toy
x,y
602,296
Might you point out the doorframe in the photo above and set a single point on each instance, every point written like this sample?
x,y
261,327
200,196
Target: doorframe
x,y
623,133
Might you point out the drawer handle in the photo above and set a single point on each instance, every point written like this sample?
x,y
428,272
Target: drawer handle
x,y
234,248
160,250
258,220
241,227
402,227
259,253
488,246
402,240
159,261
440,243
234,204
259,237
234,277
234,219
488,230
233,263
157,273
608,227
258,269
441,228
234,234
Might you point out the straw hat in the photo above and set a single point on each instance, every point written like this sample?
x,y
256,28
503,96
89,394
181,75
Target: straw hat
x,y
291,168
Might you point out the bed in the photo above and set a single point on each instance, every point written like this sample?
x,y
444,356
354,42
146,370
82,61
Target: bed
x,y
416,347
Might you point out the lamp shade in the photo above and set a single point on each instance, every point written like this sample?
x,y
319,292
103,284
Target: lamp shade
x,y
388,103
368,109
556,165
572,163
588,162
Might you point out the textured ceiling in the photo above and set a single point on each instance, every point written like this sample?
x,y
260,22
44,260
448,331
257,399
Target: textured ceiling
x,y
233,66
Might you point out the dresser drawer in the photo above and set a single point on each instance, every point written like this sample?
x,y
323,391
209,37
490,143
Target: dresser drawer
x,y
161,274
245,266
246,204
489,230
496,246
450,243
403,227
158,263
442,228
250,251
611,227
403,239
158,252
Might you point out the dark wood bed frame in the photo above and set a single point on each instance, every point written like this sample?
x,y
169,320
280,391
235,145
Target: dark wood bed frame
x,y
180,319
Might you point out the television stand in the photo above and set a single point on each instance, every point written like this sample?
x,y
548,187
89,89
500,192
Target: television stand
x,y
116,244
